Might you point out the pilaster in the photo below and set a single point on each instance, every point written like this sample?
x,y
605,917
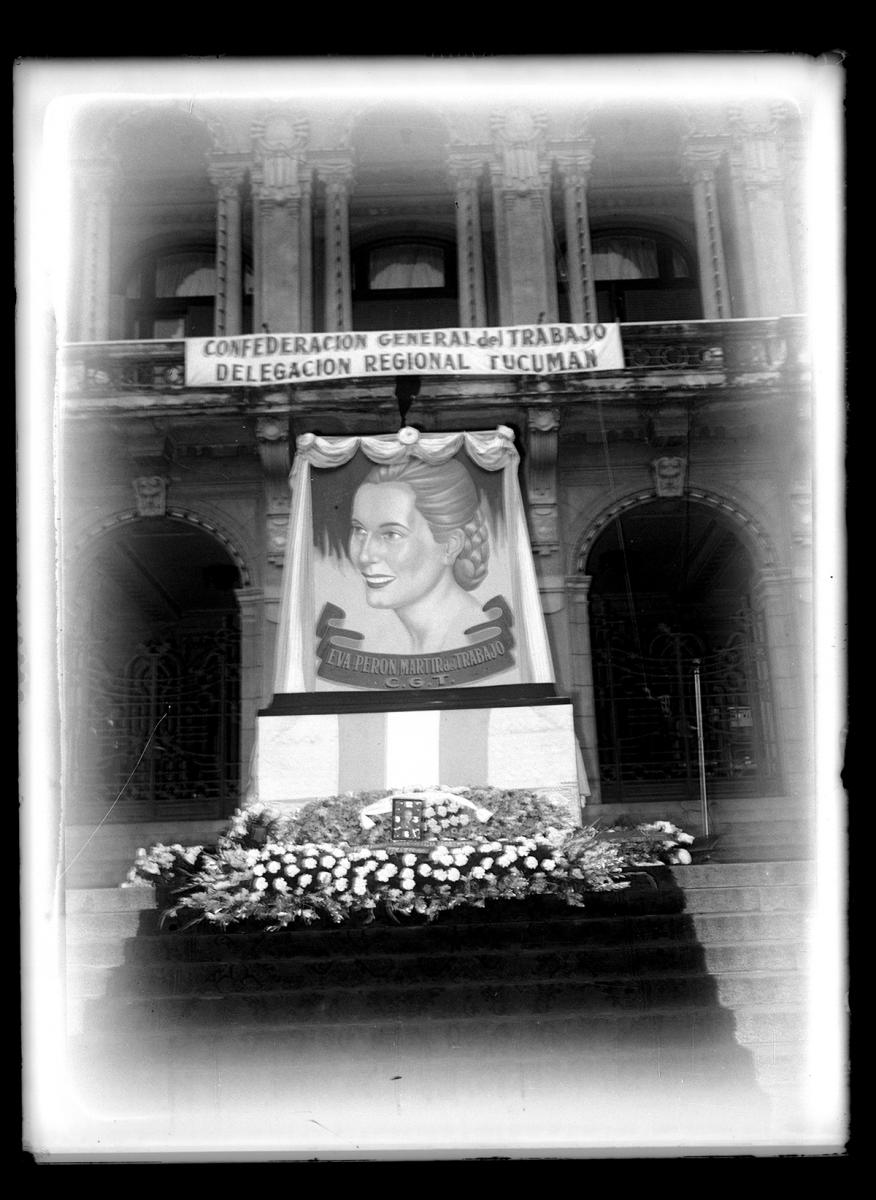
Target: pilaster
x,y
97,179
250,603
281,191
757,169
337,177
700,165
575,171
583,689
466,170
520,176
227,179
272,438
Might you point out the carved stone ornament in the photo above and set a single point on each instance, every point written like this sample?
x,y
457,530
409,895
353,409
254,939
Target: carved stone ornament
x,y
277,527
669,476
151,495
519,136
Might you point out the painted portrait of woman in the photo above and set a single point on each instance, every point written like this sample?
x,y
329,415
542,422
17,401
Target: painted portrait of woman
x,y
407,568
420,542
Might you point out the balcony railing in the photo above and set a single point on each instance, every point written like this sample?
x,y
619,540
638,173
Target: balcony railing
x,y
100,369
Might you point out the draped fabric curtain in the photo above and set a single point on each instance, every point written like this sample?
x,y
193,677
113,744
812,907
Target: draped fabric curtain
x,y
405,267
625,258
185,275
492,450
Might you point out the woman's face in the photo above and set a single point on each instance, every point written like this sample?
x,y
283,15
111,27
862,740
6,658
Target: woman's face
x,y
392,546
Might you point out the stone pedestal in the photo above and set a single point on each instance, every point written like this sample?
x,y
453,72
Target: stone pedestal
x,y
313,745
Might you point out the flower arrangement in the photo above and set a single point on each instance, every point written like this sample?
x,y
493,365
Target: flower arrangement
x,y
279,868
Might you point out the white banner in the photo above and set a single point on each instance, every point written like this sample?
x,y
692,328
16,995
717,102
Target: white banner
x,y
269,359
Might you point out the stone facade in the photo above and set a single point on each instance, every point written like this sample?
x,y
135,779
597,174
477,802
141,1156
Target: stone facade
x,y
262,216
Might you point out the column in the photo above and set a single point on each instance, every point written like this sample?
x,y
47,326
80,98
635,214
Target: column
x,y
757,172
227,178
469,247
583,690
575,171
251,604
338,278
97,179
700,166
524,226
306,250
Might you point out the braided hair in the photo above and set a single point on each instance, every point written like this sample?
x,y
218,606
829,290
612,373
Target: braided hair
x,y
447,499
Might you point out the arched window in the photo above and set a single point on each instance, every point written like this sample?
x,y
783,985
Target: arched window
x,y
405,284
643,277
172,294
639,275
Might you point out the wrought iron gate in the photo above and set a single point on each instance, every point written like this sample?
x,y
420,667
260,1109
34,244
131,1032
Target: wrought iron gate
x,y
171,716
645,711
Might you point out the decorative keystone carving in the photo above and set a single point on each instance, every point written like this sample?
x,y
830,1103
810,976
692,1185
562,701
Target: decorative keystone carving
x,y
272,438
519,139
151,495
278,145
543,426
669,476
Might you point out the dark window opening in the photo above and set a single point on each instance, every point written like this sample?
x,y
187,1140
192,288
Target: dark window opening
x,y
173,295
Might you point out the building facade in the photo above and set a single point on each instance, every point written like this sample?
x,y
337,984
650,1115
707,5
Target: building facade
x,y
670,502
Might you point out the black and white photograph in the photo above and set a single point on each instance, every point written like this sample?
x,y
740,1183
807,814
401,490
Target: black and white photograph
x,y
431,607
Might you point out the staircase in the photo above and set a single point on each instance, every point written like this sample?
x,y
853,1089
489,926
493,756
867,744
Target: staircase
x,y
673,1013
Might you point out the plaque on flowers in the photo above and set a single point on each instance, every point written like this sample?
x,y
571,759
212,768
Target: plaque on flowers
x,y
407,819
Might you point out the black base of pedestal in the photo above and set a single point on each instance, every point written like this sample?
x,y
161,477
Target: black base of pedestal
x,y
286,704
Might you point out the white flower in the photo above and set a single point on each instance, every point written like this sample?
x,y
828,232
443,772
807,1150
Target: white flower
x,y
686,838
477,872
280,885
273,866
260,884
453,874
305,881
340,885
548,864
433,826
428,811
460,859
407,884
381,855
439,874
324,877
441,810
530,862
327,861
359,887
258,869
310,863
406,873
291,871
289,857
486,863
463,819
340,871
683,856
409,859
345,863
424,869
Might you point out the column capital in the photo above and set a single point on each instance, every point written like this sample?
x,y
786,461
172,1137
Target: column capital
x,y
465,166
248,597
700,158
543,420
578,587
336,174
575,165
226,177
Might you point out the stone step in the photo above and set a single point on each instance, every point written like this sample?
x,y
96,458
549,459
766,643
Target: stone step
x,y
748,898
110,899
247,974
726,875
136,945
418,1002
488,1035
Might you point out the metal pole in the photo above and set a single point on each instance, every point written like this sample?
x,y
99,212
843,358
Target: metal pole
x,y
701,751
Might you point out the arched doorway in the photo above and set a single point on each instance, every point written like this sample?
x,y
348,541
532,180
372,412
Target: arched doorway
x,y
672,589
154,689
